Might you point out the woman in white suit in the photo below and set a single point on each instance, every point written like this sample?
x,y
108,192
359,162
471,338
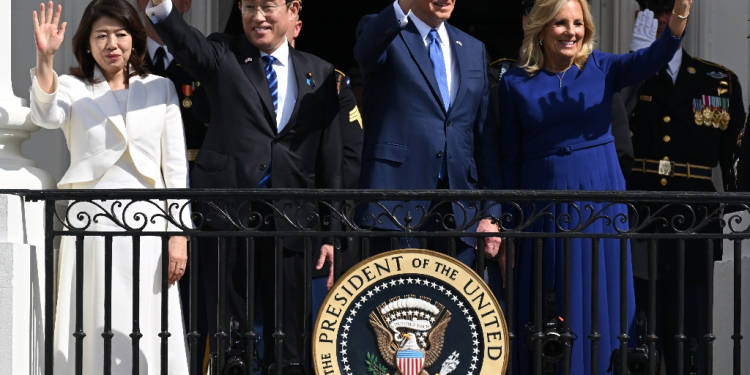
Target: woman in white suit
x,y
123,130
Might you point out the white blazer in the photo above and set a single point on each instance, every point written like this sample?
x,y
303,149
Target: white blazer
x,y
97,135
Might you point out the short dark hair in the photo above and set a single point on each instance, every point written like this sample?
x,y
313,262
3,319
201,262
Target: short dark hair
x,y
117,9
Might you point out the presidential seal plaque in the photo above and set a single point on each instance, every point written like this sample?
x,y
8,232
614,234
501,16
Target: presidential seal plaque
x,y
410,312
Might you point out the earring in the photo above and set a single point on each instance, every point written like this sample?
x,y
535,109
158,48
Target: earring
x,y
541,44
88,51
133,49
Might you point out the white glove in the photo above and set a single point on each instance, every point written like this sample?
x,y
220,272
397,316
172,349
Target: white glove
x,y
644,30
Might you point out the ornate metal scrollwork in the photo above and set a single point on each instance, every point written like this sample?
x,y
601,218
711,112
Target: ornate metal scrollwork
x,y
522,213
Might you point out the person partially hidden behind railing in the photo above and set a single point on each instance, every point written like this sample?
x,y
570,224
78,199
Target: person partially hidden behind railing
x,y
555,115
123,129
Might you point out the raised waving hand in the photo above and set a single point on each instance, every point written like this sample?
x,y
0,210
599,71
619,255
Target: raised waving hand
x,y
680,14
48,38
47,34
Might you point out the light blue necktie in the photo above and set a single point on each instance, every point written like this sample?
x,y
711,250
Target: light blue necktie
x,y
438,65
273,84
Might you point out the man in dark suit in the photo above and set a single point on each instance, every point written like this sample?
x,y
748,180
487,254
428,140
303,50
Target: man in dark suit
x,y
424,105
678,141
272,125
195,111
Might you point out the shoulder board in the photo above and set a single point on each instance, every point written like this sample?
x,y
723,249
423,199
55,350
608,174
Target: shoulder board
x,y
500,61
714,65
340,72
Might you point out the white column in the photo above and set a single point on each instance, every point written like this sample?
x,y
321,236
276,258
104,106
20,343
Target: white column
x,y
16,171
21,226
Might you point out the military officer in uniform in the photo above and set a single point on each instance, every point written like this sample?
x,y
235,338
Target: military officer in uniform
x,y
196,114
684,121
349,115
351,137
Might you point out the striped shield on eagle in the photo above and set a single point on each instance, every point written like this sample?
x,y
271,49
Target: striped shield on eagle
x,y
410,362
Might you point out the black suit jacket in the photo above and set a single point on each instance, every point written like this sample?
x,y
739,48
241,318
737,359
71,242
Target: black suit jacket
x,y
242,142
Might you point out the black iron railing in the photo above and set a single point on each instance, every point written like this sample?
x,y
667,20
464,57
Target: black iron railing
x,y
679,216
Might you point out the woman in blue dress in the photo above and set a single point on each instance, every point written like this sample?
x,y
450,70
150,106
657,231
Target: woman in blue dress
x,y
555,118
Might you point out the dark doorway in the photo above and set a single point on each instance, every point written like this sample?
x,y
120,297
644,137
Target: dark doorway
x,y
329,26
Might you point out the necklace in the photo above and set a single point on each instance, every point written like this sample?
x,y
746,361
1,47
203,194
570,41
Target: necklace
x,y
560,76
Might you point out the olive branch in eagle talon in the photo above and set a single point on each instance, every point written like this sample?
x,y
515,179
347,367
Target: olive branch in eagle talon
x,y
373,367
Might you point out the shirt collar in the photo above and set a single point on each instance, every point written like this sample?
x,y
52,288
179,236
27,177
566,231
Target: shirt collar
x,y
152,46
424,29
281,54
674,65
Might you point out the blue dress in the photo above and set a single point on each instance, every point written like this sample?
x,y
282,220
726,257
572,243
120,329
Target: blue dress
x,y
559,138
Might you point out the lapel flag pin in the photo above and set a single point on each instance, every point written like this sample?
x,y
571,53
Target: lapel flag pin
x,y
249,59
459,43
310,81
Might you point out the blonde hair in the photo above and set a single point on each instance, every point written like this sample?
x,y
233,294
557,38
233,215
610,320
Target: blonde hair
x,y
543,12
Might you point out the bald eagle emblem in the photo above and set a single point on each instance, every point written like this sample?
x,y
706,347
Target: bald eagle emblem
x,y
410,332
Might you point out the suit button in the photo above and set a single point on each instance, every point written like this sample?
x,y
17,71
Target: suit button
x,y
448,124
667,119
439,154
667,138
262,167
663,182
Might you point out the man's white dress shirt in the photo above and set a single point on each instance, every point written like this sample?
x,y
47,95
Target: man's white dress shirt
x,y
445,45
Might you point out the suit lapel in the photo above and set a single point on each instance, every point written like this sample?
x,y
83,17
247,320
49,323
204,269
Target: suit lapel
x,y
107,102
301,68
418,50
685,86
461,60
252,65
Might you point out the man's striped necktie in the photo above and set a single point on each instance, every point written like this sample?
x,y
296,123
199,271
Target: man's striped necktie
x,y
273,85
273,81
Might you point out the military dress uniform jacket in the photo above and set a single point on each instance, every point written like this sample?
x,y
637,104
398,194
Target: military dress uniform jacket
x,y
351,131
663,126
196,112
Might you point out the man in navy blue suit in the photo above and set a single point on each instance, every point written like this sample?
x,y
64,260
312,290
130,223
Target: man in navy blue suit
x,y
425,100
